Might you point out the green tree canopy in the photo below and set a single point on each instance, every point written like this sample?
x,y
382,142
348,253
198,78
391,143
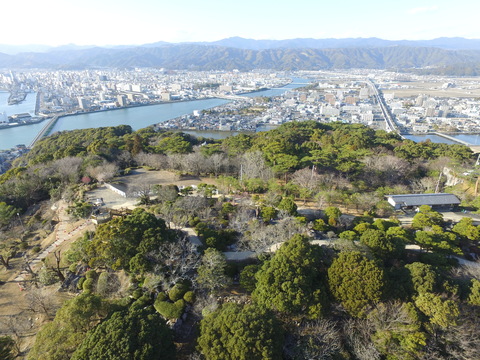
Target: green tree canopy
x,y
291,282
288,205
443,313
61,337
466,229
7,212
7,347
356,282
124,242
133,334
423,276
177,143
437,239
211,272
382,246
426,217
240,333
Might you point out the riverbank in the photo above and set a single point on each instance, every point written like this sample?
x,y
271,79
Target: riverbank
x,y
137,116
12,125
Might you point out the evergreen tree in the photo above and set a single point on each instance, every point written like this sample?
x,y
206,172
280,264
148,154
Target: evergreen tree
x,y
240,333
356,282
138,333
291,282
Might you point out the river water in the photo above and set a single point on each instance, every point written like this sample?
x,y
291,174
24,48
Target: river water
x,y
10,137
136,117
431,137
472,139
143,116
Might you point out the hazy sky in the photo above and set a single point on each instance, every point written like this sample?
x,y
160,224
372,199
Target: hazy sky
x,y
114,22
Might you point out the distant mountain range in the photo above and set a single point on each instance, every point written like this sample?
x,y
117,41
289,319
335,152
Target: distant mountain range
x,y
247,54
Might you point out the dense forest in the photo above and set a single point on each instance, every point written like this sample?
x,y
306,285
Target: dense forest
x,y
345,280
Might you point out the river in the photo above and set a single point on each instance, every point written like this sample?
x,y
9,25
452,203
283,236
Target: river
x,y
472,139
136,117
26,106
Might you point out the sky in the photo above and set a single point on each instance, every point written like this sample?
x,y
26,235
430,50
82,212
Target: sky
x,y
132,22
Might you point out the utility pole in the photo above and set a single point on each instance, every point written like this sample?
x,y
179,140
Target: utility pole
x,y
437,188
21,222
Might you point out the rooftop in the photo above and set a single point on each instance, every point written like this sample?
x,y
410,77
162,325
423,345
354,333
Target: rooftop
x,y
424,199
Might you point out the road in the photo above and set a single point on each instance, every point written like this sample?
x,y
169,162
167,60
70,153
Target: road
x,y
391,126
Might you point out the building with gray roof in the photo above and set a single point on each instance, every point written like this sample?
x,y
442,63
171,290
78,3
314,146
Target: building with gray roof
x,y
415,200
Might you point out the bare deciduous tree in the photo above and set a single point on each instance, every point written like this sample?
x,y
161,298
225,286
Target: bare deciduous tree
x,y
192,205
156,161
176,261
462,340
216,163
103,172
242,217
358,333
68,168
262,236
15,326
317,340
253,166
389,167
195,163
41,300
57,269
175,162
8,250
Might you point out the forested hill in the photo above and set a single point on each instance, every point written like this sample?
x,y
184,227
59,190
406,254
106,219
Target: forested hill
x,y
207,57
346,151
141,287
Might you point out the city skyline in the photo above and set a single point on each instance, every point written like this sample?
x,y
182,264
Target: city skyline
x,y
60,22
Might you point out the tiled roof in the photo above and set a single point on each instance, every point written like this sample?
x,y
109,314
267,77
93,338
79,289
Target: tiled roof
x,y
424,199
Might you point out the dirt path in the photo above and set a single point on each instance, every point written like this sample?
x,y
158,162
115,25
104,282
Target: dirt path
x,y
14,311
63,232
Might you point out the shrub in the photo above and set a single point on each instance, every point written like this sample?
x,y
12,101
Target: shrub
x,y
247,277
162,297
72,268
88,285
170,310
189,297
80,283
46,276
36,249
137,294
177,291
91,274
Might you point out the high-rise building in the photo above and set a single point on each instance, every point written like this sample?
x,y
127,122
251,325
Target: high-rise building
x,y
121,100
82,103
419,101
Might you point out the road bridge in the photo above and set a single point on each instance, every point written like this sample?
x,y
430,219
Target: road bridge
x,y
232,97
45,131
